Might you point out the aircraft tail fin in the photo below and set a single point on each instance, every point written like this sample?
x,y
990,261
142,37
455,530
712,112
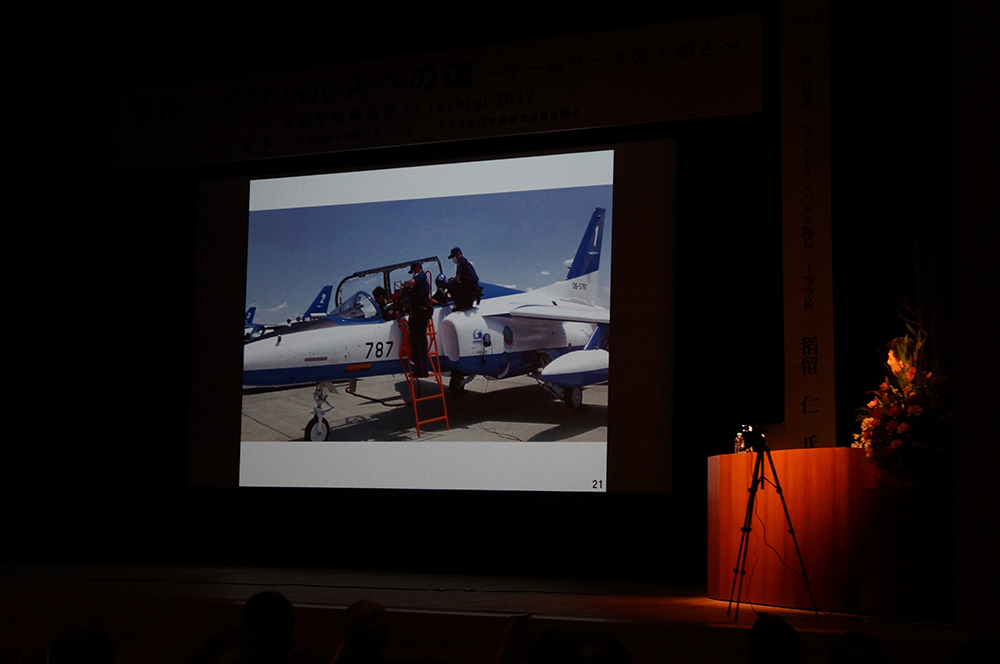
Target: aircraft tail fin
x,y
248,316
588,254
321,304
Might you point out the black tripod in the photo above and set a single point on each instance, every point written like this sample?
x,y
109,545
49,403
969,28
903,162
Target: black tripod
x,y
760,449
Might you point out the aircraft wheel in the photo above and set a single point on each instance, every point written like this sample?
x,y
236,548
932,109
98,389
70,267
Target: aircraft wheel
x,y
317,429
456,384
573,397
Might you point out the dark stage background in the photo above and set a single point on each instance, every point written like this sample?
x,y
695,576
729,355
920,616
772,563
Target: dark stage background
x,y
100,265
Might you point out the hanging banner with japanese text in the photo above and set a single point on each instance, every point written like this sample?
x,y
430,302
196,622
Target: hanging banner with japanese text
x,y
808,253
678,71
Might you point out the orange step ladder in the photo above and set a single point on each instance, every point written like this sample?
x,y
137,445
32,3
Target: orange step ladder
x,y
405,357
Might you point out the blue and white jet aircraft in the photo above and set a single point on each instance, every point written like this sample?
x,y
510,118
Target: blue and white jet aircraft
x,y
508,335
317,309
248,324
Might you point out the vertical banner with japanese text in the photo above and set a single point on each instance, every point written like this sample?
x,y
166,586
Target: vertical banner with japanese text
x,y
807,243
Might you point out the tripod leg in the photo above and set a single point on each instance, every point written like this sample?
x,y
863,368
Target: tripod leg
x,y
741,555
791,530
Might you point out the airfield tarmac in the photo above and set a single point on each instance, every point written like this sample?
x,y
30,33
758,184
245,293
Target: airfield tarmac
x,y
513,409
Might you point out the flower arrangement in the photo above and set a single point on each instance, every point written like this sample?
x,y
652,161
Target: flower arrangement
x,y
906,426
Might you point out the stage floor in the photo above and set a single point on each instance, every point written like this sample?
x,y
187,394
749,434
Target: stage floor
x,y
170,609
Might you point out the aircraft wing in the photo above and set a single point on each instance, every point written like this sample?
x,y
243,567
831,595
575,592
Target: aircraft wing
x,y
563,312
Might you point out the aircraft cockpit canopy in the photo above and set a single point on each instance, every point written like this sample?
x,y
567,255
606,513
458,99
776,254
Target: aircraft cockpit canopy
x,y
360,306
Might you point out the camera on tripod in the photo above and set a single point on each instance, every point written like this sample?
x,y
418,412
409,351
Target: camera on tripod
x,y
750,438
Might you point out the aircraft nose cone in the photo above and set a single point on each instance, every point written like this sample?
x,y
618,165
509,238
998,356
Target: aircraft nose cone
x,y
258,356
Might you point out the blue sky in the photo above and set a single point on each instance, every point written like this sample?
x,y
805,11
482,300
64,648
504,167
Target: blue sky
x,y
522,239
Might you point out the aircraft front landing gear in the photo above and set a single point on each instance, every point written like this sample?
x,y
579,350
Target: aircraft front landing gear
x,y
318,428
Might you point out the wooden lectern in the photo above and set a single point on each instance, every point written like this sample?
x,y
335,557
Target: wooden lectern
x,y
826,491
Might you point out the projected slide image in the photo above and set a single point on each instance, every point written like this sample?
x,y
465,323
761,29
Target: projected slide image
x,y
334,308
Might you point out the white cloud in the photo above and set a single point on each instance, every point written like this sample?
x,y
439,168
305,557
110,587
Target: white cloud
x,y
283,305
568,263
546,273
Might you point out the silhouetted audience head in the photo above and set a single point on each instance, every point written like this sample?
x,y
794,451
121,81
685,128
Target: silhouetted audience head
x,y
557,646
982,649
551,647
366,631
82,644
271,613
239,646
773,641
856,648
598,649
